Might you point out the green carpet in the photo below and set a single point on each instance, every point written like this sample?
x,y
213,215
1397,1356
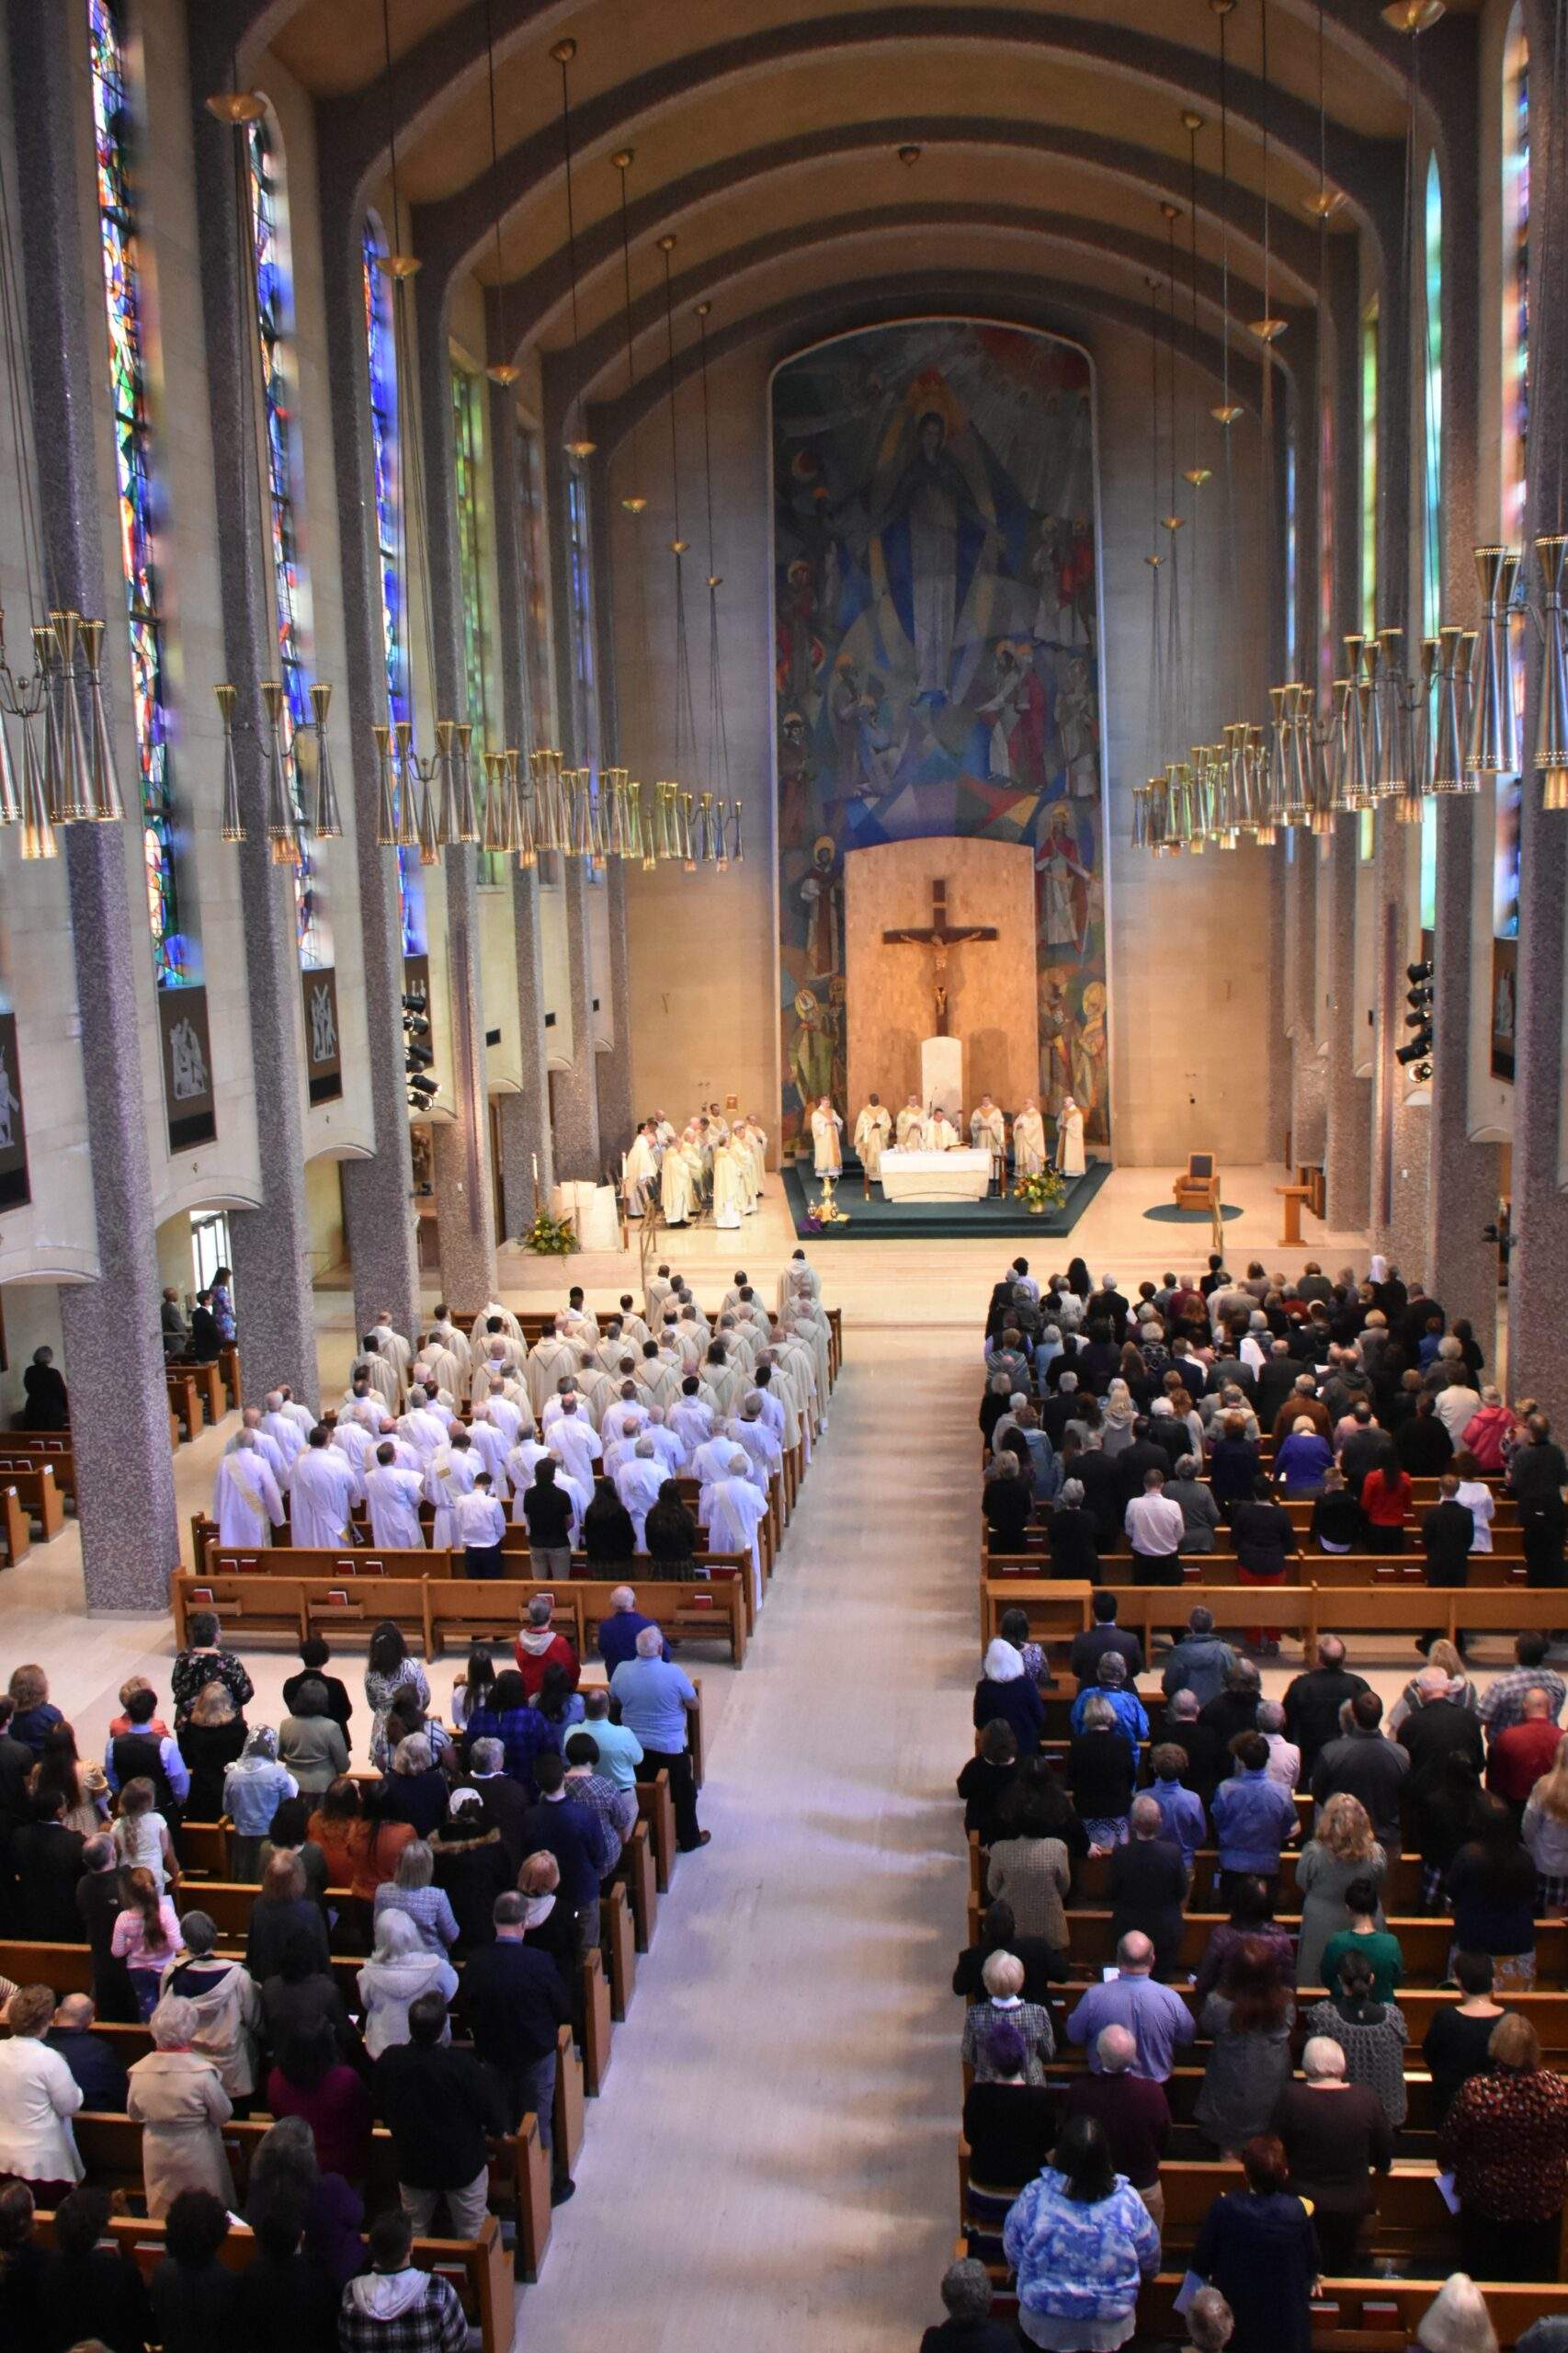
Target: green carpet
x,y
878,1221
1167,1213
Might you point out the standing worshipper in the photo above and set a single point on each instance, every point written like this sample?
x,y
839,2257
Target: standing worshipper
x,y
873,1129
1070,1140
394,1494
44,1388
322,1493
734,1509
1028,1141
826,1129
988,1132
245,1501
479,1524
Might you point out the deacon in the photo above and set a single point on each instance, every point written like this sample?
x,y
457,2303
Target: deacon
x,y
245,1500
941,1135
638,1482
911,1126
826,1127
1070,1139
322,1492
872,1130
393,1495
1028,1141
988,1132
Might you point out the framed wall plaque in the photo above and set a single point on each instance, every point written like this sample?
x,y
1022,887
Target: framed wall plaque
x,y
187,1067
324,1049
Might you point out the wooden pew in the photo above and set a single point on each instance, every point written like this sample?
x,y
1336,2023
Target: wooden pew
x,y
184,1398
16,1526
1301,1610
1365,2316
33,1482
1424,1942
1418,2006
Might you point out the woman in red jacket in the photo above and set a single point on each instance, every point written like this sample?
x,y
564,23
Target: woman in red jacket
x,y
1385,1505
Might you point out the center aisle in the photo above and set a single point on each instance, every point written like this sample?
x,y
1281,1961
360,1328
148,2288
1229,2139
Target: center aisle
x,y
772,2162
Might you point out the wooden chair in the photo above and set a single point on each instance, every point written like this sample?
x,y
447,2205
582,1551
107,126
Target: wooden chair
x,y
1198,1186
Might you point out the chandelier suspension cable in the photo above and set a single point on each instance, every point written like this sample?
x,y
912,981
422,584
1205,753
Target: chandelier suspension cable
x,y
719,735
634,502
685,715
1226,413
1159,703
1175,668
1197,474
38,569
576,442
504,370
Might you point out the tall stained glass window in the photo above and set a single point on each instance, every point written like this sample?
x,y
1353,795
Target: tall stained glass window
x,y
468,439
535,585
380,345
1293,558
112,132
291,593
1327,650
1515,360
585,688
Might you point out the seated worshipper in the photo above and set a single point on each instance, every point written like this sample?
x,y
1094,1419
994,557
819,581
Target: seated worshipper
x,y
515,1999
610,1538
1125,1705
227,2006
1506,2142
411,1891
538,1646
1257,2248
1199,1662
1491,1891
92,2058
1341,1850
1379,1947
1369,2031
1080,2242
999,1933
310,1746
1247,2019
401,1968
1545,1833
1006,1692
177,2097
1154,2014
1008,2122
1251,1920
38,2096
1337,1523
1520,1753
1147,1885
1266,1543
1181,1809
967,2297
1458,2042
1031,1871
1336,2137
987,1778
282,1910
1252,1816
1305,1459
1003,2004
472,1867
1101,1767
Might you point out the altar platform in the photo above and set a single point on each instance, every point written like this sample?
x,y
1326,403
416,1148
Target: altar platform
x,y
879,1220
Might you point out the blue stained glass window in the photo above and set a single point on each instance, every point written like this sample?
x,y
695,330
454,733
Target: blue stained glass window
x,y
1516,359
291,595
381,345
112,132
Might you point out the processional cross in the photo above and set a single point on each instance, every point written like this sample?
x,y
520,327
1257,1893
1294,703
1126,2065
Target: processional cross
x,y
939,936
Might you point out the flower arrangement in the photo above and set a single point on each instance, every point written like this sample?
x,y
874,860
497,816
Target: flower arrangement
x,y
1041,1190
548,1236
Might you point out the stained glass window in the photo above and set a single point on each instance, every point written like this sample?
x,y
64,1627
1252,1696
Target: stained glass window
x,y
1516,358
1327,650
291,593
1291,557
587,713
535,585
381,355
468,437
112,130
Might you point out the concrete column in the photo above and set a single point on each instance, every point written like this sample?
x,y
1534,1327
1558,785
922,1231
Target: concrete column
x,y
378,1192
524,1119
1308,1078
1346,1099
612,1073
465,1217
575,1092
271,1244
114,1363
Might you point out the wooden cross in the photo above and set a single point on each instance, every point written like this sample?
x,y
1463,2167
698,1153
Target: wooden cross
x,y
939,936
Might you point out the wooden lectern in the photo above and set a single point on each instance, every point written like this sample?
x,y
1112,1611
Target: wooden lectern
x,y
1292,1196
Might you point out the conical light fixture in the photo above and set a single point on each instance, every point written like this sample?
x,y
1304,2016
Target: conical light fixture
x,y
1493,748
1552,723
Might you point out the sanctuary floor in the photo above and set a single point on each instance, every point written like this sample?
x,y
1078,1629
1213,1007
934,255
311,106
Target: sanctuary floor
x,y
771,2165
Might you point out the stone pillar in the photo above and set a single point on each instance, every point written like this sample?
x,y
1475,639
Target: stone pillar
x,y
616,1118
1308,1079
114,1361
1538,1290
575,1092
465,1216
524,1119
377,1193
271,1244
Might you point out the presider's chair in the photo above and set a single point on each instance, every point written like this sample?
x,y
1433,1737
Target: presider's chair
x,y
1199,1185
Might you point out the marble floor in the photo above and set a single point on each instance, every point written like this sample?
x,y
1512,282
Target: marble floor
x,y
771,2163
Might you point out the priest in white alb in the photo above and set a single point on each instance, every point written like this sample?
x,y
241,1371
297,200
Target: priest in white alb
x,y
733,1508
245,1500
1028,1141
988,1132
322,1493
678,1173
939,1134
394,1494
911,1126
640,1170
1070,1139
637,1483
729,1186
872,1131
826,1129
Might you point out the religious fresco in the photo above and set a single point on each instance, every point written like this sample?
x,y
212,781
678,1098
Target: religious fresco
x,y
935,661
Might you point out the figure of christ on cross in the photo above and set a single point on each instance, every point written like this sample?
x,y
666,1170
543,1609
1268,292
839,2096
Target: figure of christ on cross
x,y
938,935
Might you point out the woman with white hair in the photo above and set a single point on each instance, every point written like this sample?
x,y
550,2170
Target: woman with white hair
x,y
1336,2137
401,1968
1003,1977
177,2097
1069,1532
1456,2320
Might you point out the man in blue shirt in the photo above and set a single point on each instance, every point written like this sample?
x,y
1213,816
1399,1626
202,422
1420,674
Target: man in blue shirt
x,y
1111,1685
1155,2015
618,1632
1254,1816
579,1840
655,1697
620,1751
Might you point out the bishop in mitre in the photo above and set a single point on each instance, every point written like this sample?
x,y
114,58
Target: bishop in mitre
x,y
911,1126
940,1134
1028,1141
1070,1139
988,1132
640,1170
680,1171
872,1130
827,1128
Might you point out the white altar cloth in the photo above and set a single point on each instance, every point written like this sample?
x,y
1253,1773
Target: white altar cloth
x,y
959,1175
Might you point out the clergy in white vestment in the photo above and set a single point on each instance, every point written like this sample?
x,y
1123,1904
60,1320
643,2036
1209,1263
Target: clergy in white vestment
x,y
362,1403
827,1130
710,1461
911,1126
301,1415
751,1432
575,1441
393,1495
799,1269
283,1430
678,1184
357,1445
873,1131
988,1132
452,1470
579,1494
656,1292
637,1483
322,1493
493,1309
1070,1139
626,1416
391,1343
246,1504
666,1446
444,1330
612,1347
728,1189
658,1378
553,1356
939,1134
771,1405
380,1372
444,1369
422,1426
267,1445
757,1144
724,1379
521,1464
1028,1141
690,1420
732,1510
664,1134
491,1445
639,1170
632,1324
511,1416
440,1401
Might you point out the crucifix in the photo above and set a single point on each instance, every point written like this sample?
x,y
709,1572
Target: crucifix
x,y
938,935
